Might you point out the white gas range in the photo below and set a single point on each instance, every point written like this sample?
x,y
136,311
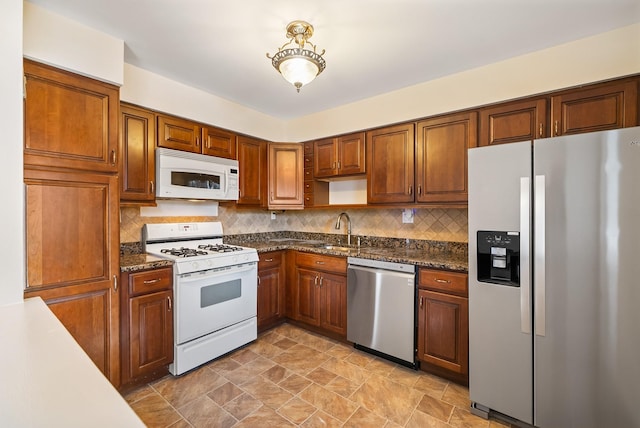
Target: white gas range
x,y
215,290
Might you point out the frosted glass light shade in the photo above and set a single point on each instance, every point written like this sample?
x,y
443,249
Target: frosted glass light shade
x,y
298,71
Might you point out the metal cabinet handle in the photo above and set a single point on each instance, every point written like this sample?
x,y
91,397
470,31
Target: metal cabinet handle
x,y
411,190
268,260
208,144
541,130
113,157
443,281
115,283
421,302
197,142
319,262
258,281
169,302
151,281
555,127
338,164
420,190
151,187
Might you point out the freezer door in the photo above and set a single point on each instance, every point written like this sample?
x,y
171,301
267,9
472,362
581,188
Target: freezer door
x,y
500,341
587,320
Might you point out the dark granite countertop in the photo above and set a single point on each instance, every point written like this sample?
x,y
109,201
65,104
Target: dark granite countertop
x,y
136,262
430,254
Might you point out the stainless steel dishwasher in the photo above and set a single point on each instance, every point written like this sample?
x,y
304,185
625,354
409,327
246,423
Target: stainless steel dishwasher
x,y
381,308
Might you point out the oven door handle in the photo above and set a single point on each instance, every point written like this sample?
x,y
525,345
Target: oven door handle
x,y
247,268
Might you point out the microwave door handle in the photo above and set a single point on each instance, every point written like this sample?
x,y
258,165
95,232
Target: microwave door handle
x,y
226,182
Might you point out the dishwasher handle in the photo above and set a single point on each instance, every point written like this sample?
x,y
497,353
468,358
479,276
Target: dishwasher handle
x,y
379,270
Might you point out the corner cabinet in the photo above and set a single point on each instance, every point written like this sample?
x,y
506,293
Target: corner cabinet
x,y
147,325
443,324
441,157
137,154
286,176
320,288
271,289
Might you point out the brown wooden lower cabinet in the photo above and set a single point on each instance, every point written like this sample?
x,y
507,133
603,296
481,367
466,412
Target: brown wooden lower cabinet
x,y
320,288
271,280
443,325
146,325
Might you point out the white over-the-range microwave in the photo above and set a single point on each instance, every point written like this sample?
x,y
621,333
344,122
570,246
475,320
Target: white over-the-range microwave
x,y
186,175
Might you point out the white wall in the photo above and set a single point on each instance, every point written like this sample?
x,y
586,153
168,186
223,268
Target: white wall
x,y
61,42
601,57
12,217
159,93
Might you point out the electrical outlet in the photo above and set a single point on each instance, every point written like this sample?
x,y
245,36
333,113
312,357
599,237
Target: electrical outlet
x,y
407,215
273,215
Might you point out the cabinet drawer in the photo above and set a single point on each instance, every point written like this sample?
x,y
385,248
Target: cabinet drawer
x,y
150,281
447,282
325,263
270,259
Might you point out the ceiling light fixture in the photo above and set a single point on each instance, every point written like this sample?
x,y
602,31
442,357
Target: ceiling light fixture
x,y
298,65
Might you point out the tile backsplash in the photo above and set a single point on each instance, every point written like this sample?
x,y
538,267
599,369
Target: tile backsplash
x,y
437,224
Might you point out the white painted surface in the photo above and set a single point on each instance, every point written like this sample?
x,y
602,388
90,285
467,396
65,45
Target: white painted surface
x,y
55,40
153,91
48,380
11,187
604,56
348,192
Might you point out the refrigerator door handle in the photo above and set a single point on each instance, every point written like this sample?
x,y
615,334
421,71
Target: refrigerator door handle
x,y
539,254
525,245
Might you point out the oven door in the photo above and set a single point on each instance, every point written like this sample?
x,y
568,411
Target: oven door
x,y
210,300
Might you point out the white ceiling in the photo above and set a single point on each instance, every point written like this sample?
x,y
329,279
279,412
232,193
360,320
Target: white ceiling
x,y
372,46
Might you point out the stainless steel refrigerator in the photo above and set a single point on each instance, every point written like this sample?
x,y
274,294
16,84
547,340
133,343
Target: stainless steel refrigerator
x,y
554,280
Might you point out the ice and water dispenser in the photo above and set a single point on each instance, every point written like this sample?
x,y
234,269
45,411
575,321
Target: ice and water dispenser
x,y
499,257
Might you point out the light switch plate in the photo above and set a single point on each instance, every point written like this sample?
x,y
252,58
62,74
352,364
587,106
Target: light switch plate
x,y
407,215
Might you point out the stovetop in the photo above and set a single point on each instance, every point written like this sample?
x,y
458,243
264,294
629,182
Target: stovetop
x,y
194,246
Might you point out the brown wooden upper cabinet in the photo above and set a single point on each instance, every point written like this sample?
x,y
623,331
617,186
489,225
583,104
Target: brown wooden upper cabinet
x,y
70,121
137,154
390,164
512,122
441,157
252,162
339,156
286,176
181,134
595,108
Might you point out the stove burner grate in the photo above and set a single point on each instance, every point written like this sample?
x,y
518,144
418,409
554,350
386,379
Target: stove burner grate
x,y
183,252
219,248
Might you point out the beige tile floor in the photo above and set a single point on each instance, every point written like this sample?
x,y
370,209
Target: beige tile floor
x,y
290,377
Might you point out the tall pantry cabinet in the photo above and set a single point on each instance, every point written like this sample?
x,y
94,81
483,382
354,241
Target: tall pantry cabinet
x,y
71,194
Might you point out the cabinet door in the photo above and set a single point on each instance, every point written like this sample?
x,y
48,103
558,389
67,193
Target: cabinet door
x,y
72,255
390,164
441,151
179,134
252,162
286,189
70,121
137,154
307,302
150,332
333,315
325,163
443,331
351,154
597,108
514,122
218,142
270,296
